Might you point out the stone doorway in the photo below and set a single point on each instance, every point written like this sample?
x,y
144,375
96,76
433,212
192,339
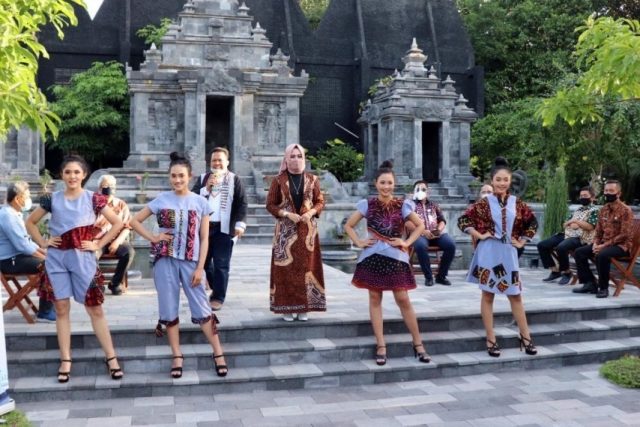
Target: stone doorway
x,y
431,151
219,126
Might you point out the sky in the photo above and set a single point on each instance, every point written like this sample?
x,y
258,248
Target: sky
x,y
93,6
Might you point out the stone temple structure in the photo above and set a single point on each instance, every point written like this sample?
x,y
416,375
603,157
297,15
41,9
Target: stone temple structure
x,y
423,124
214,83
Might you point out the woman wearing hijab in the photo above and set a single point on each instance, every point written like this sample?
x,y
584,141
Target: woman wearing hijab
x,y
295,200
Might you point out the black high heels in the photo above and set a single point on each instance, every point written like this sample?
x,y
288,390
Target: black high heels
x,y
221,370
116,373
527,344
381,359
423,356
176,372
63,377
493,349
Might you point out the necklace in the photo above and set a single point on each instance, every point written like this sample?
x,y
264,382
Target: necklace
x,y
296,188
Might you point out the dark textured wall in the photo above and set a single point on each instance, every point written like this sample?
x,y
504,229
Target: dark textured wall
x,y
343,56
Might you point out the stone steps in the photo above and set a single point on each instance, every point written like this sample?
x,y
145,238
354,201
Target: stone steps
x,y
156,358
204,381
272,355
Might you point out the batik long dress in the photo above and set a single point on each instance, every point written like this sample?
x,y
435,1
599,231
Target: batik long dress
x,y
297,280
382,267
494,266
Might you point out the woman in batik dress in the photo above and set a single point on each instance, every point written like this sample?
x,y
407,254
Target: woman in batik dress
x,y
295,200
384,265
71,263
501,224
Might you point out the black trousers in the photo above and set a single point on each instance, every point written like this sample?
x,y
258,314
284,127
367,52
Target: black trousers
x,y
562,247
603,263
125,254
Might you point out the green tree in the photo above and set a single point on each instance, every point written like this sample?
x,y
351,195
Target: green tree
x,y
314,10
154,33
94,108
608,56
21,101
339,158
555,198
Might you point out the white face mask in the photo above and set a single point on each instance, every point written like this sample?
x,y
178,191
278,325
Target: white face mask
x,y
28,204
420,195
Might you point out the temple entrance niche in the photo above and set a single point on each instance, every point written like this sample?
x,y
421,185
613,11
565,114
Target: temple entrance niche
x,y
423,124
431,137
219,126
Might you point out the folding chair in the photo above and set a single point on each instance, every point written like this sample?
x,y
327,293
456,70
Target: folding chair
x,y
19,293
108,264
622,271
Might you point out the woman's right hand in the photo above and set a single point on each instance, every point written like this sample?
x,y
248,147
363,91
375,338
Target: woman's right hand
x,y
293,217
365,243
484,236
53,242
157,238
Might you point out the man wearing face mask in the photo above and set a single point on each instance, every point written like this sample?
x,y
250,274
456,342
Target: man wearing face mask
x,y
579,229
434,234
18,253
612,239
120,246
225,193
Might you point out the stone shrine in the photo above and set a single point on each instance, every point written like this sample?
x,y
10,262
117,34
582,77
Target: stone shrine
x,y
423,124
212,84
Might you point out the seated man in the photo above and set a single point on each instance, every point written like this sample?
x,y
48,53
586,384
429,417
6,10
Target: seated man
x,y
18,253
612,239
579,230
434,235
120,246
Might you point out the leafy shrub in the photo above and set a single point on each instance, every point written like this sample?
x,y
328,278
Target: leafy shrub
x,y
340,159
153,34
624,371
556,197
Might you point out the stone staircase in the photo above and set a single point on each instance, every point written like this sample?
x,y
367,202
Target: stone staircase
x,y
273,355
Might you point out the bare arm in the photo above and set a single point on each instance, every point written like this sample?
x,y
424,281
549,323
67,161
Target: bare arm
x,y
196,280
136,225
353,220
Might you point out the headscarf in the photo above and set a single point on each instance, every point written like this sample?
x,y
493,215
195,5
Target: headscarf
x,y
287,153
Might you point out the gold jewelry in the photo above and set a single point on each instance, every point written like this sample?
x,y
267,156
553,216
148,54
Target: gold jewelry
x,y
296,188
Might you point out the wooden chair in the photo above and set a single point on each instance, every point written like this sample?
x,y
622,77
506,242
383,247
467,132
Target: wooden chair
x,y
622,270
108,264
435,253
19,293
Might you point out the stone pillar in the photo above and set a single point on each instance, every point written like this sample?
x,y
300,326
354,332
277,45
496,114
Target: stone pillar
x,y
194,123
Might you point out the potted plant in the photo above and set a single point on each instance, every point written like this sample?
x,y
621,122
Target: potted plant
x,y
141,195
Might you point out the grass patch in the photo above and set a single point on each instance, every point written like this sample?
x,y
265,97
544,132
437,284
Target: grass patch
x,y
624,371
15,419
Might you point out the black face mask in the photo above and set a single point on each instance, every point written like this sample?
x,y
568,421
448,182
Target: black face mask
x,y
610,198
585,201
106,191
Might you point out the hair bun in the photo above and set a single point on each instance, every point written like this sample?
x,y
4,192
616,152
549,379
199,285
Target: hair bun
x,y
501,161
387,164
175,156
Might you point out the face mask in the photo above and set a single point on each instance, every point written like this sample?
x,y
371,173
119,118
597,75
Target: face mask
x,y
420,195
585,202
610,198
214,170
28,204
483,195
106,191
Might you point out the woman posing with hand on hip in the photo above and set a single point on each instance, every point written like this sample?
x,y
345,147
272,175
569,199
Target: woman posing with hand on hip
x,y
501,224
180,251
71,262
384,263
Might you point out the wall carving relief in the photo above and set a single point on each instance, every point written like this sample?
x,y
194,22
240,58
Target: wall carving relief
x,y
162,115
271,124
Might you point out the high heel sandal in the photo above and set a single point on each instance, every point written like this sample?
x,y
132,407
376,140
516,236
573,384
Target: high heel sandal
x,y
113,371
381,359
176,372
424,356
221,370
493,349
63,377
528,348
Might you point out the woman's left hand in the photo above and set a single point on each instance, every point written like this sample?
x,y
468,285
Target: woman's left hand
x,y
196,280
518,243
306,217
89,245
398,243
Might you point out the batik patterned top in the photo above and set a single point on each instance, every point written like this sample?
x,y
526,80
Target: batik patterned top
x,y
587,214
430,214
614,225
385,221
180,216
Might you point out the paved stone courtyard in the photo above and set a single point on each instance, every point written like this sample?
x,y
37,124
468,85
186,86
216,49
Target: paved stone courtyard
x,y
568,396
